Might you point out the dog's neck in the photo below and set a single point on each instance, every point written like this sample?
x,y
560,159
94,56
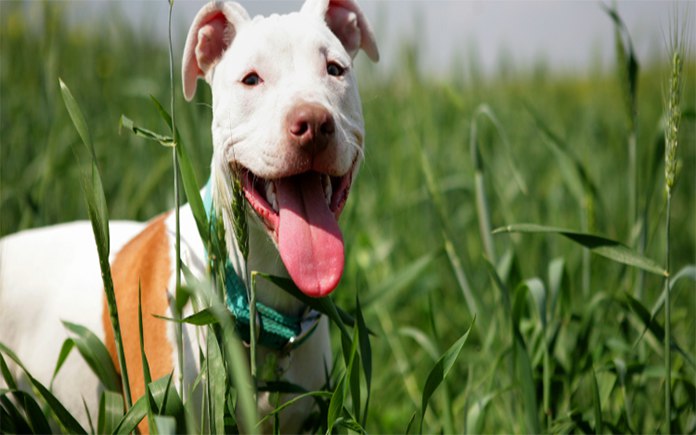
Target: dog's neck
x,y
263,253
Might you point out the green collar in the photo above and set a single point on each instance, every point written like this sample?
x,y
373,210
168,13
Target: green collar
x,y
275,330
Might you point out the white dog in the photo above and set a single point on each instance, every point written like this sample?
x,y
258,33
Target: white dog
x,y
287,119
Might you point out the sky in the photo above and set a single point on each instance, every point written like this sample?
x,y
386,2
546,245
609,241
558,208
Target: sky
x,y
566,35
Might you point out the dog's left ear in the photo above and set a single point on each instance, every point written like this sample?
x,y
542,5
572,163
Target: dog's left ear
x,y
347,21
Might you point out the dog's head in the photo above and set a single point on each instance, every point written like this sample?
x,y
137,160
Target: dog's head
x,y
287,119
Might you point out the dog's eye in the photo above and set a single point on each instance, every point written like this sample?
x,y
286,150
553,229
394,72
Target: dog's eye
x,y
334,69
252,79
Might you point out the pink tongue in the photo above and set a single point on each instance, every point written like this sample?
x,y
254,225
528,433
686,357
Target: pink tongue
x,y
309,239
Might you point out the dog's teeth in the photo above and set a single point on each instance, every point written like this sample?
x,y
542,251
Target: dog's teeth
x,y
328,190
271,196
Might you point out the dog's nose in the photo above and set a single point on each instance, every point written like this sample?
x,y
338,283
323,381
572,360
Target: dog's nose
x,y
311,127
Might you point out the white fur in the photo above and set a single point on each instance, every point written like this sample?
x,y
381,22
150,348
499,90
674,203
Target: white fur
x,y
48,275
52,274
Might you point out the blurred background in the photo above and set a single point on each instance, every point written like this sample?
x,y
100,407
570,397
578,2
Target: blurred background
x,y
481,115
569,36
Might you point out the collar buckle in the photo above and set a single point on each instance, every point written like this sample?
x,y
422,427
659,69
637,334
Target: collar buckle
x,y
308,324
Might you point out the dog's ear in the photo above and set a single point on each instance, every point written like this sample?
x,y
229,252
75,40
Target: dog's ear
x,y
347,21
212,31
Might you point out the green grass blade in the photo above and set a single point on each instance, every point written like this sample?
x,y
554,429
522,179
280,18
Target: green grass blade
x,y
347,345
35,416
64,417
525,378
10,381
597,404
295,399
146,366
657,330
557,282
606,381
188,177
99,218
524,375
336,404
687,272
164,398
412,420
251,292
477,412
484,110
237,368
484,217
455,262
481,197
570,168
147,378
65,350
217,377
200,318
168,402
630,70
500,285
599,245
627,69
89,416
439,202
95,354
537,290
403,278
177,211
133,416
11,419
351,424
424,341
482,207
128,124
353,373
77,118
644,315
440,370
110,412
96,202
365,355
165,425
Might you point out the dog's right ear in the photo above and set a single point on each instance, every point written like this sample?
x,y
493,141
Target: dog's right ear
x,y
212,31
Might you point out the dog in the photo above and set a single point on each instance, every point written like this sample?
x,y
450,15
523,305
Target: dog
x,y
287,122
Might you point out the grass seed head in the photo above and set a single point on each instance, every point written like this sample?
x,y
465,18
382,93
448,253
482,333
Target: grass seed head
x,y
673,104
241,232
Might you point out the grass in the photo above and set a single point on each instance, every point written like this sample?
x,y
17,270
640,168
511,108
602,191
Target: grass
x,y
562,340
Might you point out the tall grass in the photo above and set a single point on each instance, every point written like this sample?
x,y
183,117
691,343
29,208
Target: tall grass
x,y
554,347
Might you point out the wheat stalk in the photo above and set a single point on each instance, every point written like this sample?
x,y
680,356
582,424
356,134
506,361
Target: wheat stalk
x,y
673,118
677,49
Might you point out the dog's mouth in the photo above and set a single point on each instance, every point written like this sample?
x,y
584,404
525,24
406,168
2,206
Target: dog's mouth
x,y
301,214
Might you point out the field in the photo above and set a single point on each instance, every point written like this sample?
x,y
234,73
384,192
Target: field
x,y
563,337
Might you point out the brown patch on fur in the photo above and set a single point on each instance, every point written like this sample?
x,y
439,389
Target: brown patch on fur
x,y
144,260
